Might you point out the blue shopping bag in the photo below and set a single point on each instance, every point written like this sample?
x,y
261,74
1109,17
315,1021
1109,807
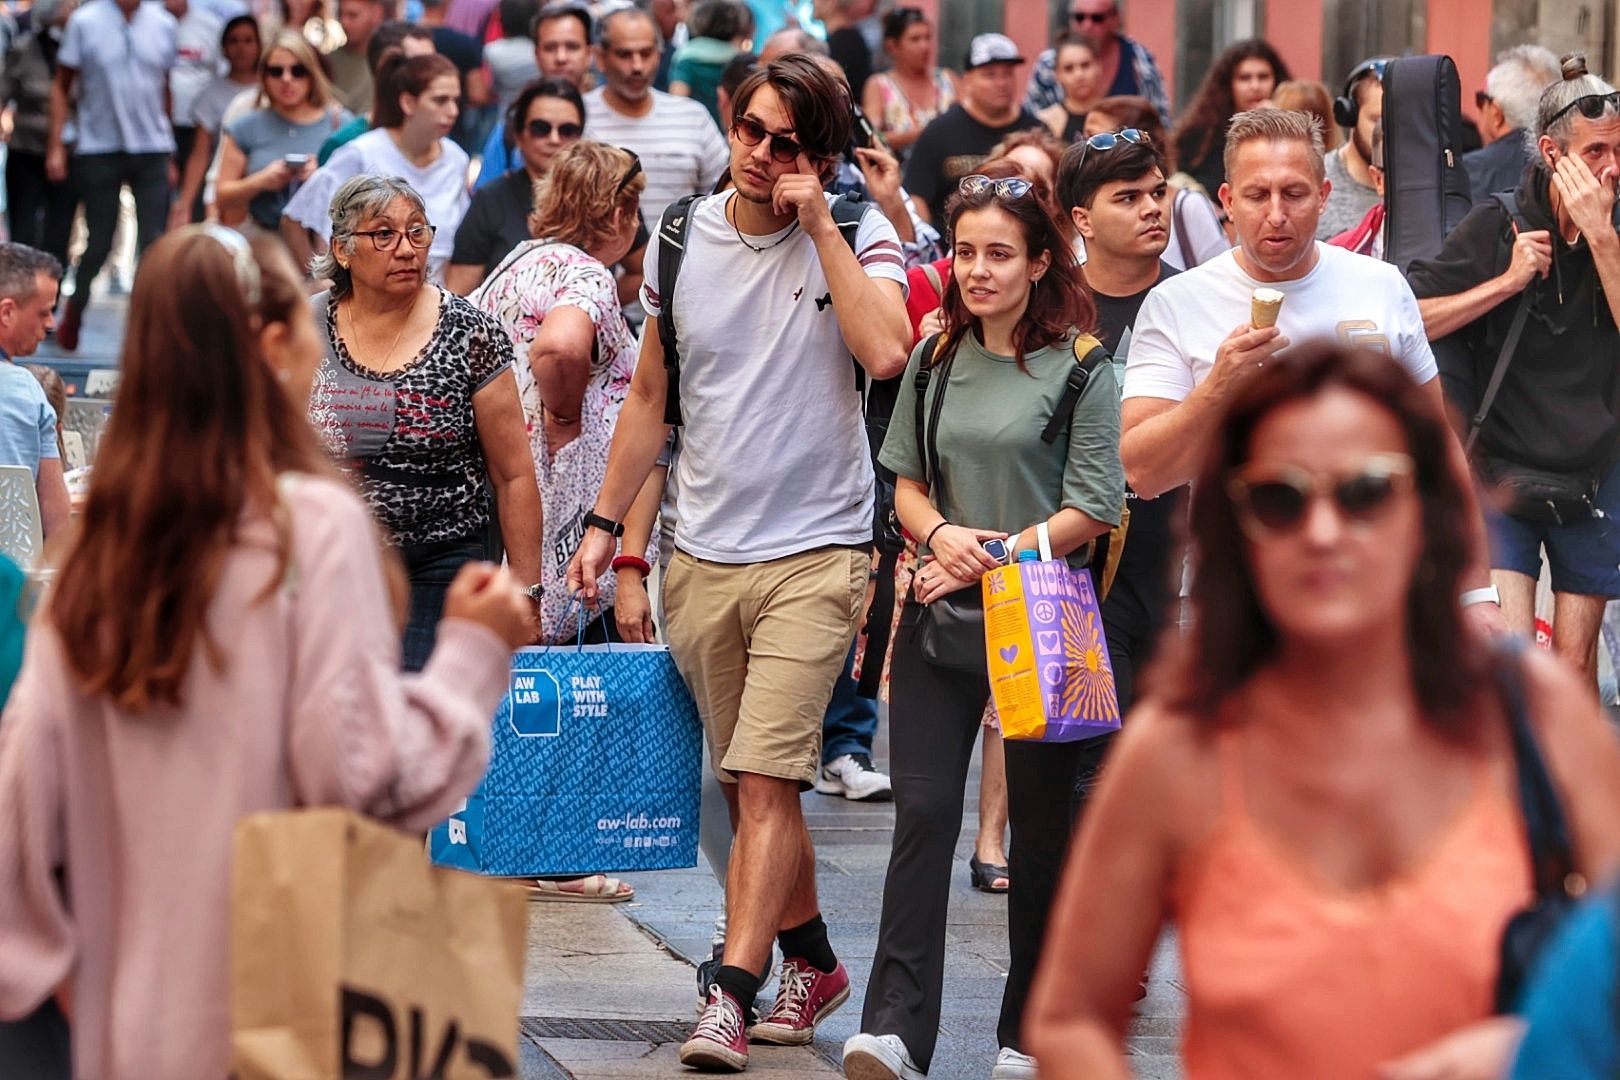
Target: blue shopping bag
x,y
595,768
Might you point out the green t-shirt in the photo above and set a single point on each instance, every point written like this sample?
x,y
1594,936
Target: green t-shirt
x,y
994,470
342,137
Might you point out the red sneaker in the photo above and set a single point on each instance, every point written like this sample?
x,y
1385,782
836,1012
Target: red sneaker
x,y
67,331
804,998
718,1043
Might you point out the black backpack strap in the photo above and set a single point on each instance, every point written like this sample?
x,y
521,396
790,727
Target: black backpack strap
x,y
673,229
1088,354
925,374
847,211
1521,314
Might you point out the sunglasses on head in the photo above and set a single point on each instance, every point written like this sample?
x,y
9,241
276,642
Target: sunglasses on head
x,y
1592,106
752,133
293,71
542,129
1482,99
1272,500
629,174
1011,187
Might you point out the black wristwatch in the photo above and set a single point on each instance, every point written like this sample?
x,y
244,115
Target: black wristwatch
x,y
594,520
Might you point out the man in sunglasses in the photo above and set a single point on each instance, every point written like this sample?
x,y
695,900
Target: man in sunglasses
x,y
1126,66
1544,260
774,500
958,140
1507,109
1195,344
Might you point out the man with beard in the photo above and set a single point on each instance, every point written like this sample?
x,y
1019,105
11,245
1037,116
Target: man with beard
x,y
1196,343
1349,168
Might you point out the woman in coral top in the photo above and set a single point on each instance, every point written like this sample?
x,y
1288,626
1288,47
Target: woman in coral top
x,y
1320,793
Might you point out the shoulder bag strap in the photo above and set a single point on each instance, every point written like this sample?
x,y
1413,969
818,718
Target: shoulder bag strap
x,y
1546,830
920,385
673,230
931,462
1510,203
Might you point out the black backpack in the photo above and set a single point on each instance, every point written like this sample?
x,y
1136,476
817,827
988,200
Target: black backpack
x,y
1425,186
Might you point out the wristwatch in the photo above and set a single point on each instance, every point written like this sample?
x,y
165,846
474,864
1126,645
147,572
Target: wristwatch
x,y
594,520
535,592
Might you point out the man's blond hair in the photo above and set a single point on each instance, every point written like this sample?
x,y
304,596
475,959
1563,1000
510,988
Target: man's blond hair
x,y
1275,125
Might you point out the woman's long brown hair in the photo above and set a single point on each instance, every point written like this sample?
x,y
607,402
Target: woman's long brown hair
x,y
200,432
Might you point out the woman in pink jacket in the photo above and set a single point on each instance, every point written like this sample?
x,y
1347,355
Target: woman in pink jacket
x,y
222,638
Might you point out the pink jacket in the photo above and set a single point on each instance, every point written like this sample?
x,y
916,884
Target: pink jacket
x,y
139,811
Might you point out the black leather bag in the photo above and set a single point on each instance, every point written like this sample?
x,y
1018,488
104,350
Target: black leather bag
x,y
1558,885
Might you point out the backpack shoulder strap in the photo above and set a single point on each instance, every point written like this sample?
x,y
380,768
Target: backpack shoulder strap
x,y
1088,354
673,230
935,282
847,211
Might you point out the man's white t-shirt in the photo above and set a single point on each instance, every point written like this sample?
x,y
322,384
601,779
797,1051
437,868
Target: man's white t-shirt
x,y
1346,297
682,151
442,185
774,458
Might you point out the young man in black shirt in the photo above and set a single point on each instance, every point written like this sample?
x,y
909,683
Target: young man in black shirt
x,y
958,140
1117,195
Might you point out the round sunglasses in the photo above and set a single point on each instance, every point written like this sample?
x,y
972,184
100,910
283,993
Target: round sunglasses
x,y
1272,500
542,129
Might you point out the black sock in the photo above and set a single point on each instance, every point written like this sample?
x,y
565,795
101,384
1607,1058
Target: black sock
x,y
809,942
741,984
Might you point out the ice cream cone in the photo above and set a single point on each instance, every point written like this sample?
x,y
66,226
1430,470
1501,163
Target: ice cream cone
x,y
1264,306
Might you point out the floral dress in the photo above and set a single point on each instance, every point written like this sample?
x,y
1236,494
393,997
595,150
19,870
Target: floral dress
x,y
538,277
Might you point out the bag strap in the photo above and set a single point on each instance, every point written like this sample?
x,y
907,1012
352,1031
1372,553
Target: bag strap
x,y
931,272
1179,223
1088,354
1552,858
1043,540
673,230
931,461
925,373
1521,313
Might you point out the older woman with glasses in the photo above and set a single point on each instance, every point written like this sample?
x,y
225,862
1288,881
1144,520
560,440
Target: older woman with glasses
x,y
546,117
556,298
416,395
264,155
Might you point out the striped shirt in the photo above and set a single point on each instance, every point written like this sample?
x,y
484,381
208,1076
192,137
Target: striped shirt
x,y
681,150
774,458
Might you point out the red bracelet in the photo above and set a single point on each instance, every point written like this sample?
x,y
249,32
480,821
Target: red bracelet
x,y
635,562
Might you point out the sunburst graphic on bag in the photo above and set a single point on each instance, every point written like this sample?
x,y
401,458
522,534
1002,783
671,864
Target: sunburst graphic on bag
x,y
1088,690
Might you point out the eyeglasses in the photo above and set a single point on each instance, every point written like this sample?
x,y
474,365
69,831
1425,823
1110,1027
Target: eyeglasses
x,y
1011,187
418,236
1482,99
1107,140
1592,106
629,174
1086,18
1271,501
542,129
294,71
752,133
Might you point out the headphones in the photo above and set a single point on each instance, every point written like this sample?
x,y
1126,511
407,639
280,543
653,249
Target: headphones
x,y
1345,107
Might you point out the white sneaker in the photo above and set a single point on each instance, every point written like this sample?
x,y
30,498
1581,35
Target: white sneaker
x,y
1011,1065
853,777
879,1057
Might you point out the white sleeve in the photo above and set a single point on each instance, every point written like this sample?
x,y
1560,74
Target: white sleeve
x,y
1202,221
70,55
651,302
1157,367
877,246
1410,342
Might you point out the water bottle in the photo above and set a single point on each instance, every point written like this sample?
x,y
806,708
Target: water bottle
x,y
1029,555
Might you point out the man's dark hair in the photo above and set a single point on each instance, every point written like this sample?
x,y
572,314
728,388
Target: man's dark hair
x,y
823,112
389,36
240,20
564,9
1083,171
19,264
516,16
737,69
722,20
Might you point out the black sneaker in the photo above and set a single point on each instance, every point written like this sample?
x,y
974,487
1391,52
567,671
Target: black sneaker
x,y
853,777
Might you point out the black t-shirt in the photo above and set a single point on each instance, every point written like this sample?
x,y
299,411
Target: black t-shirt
x,y
951,147
849,48
1557,406
496,222
1145,582
462,50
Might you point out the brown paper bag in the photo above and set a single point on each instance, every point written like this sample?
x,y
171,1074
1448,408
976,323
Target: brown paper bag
x,y
353,957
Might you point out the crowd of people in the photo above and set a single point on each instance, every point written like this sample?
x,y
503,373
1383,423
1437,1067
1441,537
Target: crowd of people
x,y
469,319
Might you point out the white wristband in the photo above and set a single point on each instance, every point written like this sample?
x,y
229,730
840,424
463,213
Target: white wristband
x,y
1487,595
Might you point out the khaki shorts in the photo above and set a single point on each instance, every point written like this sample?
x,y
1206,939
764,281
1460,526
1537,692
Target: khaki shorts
x,y
760,646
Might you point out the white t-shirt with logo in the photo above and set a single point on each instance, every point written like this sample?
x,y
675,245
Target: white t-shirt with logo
x,y
1346,297
774,459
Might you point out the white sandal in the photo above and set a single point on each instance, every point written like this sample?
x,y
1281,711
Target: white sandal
x,y
595,889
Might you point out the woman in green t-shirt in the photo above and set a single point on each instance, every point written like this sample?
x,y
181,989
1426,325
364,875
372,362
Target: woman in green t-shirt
x,y
1014,305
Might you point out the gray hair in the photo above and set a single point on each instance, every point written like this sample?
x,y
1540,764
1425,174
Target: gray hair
x,y
618,12
1516,82
794,40
360,197
1557,98
20,266
1275,125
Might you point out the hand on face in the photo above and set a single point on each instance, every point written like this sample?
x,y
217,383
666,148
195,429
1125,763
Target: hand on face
x,y
1588,199
800,192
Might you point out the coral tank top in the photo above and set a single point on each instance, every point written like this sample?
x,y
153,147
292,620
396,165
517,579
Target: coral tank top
x,y
1289,977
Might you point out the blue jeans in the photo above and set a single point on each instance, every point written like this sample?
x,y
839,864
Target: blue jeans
x,y
431,568
851,721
